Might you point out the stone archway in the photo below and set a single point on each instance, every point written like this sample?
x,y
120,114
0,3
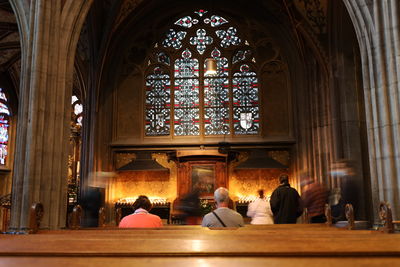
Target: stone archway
x,y
377,27
49,33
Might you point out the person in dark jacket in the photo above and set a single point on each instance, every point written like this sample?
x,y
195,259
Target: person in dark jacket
x,y
285,202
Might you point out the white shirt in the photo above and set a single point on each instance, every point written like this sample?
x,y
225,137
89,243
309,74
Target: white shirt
x,y
260,212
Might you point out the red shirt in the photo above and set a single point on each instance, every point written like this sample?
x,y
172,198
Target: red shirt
x,y
140,218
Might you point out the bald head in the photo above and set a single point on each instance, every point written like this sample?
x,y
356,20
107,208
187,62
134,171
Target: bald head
x,y
221,195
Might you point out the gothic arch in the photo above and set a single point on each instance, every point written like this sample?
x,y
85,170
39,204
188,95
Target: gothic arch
x,y
377,26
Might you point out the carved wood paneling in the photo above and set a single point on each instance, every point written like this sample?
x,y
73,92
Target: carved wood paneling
x,y
183,178
185,175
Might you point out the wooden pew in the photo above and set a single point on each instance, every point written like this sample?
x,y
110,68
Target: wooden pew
x,y
385,214
313,244
258,245
180,245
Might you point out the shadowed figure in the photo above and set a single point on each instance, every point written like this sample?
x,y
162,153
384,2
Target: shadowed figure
x,y
285,202
189,206
314,198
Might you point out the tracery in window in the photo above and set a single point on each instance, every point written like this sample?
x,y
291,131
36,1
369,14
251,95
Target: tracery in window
x,y
201,40
186,97
223,104
174,39
245,101
4,127
228,37
162,57
241,55
158,105
186,22
216,98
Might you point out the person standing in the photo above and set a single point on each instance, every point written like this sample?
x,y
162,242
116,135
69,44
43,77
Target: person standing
x,y
260,210
223,216
285,202
314,197
190,206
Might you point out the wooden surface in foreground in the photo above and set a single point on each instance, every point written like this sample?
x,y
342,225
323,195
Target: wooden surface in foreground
x,y
272,245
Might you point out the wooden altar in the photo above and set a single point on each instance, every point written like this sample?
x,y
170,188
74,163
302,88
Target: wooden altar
x,y
206,169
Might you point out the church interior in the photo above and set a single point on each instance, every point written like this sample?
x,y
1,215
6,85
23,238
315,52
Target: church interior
x,y
102,101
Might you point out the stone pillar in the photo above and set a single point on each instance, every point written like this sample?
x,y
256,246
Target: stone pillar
x,y
377,27
49,33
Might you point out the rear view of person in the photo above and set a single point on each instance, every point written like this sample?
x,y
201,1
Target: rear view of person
x,y
260,210
285,202
141,218
314,197
223,216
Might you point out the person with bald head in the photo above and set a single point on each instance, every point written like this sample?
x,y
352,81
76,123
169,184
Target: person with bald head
x,y
223,216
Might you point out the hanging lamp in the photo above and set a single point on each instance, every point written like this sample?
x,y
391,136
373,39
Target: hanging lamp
x,y
211,67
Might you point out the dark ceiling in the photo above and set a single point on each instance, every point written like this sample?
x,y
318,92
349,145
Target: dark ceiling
x,y
10,48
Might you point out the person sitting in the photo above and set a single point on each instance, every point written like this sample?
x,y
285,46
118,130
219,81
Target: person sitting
x,y
222,216
141,217
260,210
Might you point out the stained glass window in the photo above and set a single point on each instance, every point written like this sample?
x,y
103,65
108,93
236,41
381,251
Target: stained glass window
x,y
4,125
187,102
174,39
77,111
158,105
216,98
75,143
186,97
228,37
245,101
201,40
241,55
186,22
215,21
162,57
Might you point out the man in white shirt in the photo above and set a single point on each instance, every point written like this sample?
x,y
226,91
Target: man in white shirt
x,y
260,210
222,216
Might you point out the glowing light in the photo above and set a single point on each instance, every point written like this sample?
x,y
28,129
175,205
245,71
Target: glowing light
x,y
154,200
248,198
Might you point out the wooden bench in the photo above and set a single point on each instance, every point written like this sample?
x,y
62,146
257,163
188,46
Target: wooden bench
x,y
285,245
253,245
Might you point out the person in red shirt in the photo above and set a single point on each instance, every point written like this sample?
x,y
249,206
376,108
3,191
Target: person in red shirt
x,y
141,218
314,198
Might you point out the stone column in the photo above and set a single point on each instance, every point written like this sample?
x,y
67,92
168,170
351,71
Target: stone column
x,y
377,27
49,32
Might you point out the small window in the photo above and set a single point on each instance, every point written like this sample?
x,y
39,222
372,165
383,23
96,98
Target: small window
x,y
4,127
